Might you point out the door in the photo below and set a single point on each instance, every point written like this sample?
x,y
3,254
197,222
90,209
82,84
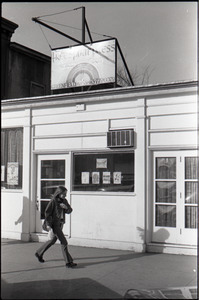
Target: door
x,y
175,197
52,171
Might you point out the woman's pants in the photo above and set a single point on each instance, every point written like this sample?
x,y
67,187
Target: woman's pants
x,y
58,234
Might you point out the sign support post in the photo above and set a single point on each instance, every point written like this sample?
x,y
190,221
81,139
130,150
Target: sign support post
x,y
82,42
83,25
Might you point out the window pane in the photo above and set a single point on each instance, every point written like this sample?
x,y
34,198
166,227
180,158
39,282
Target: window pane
x,y
191,167
37,89
104,172
191,192
165,215
52,169
191,217
165,167
166,191
48,187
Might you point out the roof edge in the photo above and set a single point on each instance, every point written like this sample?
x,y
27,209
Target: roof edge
x,y
138,91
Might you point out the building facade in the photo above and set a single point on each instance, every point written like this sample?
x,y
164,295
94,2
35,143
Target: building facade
x,y
24,72
128,157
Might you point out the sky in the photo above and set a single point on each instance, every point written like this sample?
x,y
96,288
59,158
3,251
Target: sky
x,y
156,38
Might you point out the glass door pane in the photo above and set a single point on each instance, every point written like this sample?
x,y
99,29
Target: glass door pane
x,y
165,168
53,169
191,191
166,215
191,217
166,191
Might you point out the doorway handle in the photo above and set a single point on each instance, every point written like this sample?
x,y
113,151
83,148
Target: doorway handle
x,y
37,205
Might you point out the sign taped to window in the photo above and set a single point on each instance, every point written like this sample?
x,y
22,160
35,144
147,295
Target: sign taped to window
x,y
101,163
13,173
2,173
85,177
106,178
95,177
117,177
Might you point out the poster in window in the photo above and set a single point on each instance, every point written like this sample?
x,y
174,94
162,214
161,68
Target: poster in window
x,y
106,178
95,177
101,163
2,173
85,177
117,177
13,173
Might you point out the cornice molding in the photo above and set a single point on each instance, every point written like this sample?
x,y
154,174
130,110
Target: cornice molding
x,y
115,94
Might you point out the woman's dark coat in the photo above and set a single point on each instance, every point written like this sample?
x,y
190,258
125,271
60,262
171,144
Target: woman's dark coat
x,y
54,213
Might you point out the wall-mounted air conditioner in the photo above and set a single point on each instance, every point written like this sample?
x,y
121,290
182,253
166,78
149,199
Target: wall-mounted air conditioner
x,y
120,138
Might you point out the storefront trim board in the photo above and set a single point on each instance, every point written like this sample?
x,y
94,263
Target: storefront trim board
x,y
164,118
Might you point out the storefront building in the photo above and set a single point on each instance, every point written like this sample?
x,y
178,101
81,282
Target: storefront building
x,y
128,157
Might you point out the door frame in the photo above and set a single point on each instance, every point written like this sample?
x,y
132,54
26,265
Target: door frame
x,y
179,232
54,156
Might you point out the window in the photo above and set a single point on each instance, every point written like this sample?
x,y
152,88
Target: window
x,y
107,171
11,158
36,89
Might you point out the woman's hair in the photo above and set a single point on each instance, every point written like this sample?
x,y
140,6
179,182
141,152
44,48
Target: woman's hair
x,y
60,189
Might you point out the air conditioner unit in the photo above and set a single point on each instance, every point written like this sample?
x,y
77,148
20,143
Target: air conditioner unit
x,y
120,138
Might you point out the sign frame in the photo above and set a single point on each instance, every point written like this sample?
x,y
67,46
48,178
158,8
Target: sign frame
x,y
86,64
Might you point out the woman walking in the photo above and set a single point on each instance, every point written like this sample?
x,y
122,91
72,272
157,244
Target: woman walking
x,y
55,219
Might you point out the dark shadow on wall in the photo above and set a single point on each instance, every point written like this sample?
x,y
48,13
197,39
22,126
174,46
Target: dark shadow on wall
x,y
161,232
25,220
81,288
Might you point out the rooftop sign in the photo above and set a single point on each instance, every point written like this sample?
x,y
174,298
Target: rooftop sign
x,y
83,65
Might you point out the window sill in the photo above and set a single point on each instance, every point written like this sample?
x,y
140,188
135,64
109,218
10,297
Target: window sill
x,y
11,190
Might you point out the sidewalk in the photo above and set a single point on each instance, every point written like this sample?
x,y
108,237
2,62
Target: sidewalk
x,y
100,274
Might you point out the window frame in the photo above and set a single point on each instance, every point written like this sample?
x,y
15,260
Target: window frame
x,y
5,159
102,152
